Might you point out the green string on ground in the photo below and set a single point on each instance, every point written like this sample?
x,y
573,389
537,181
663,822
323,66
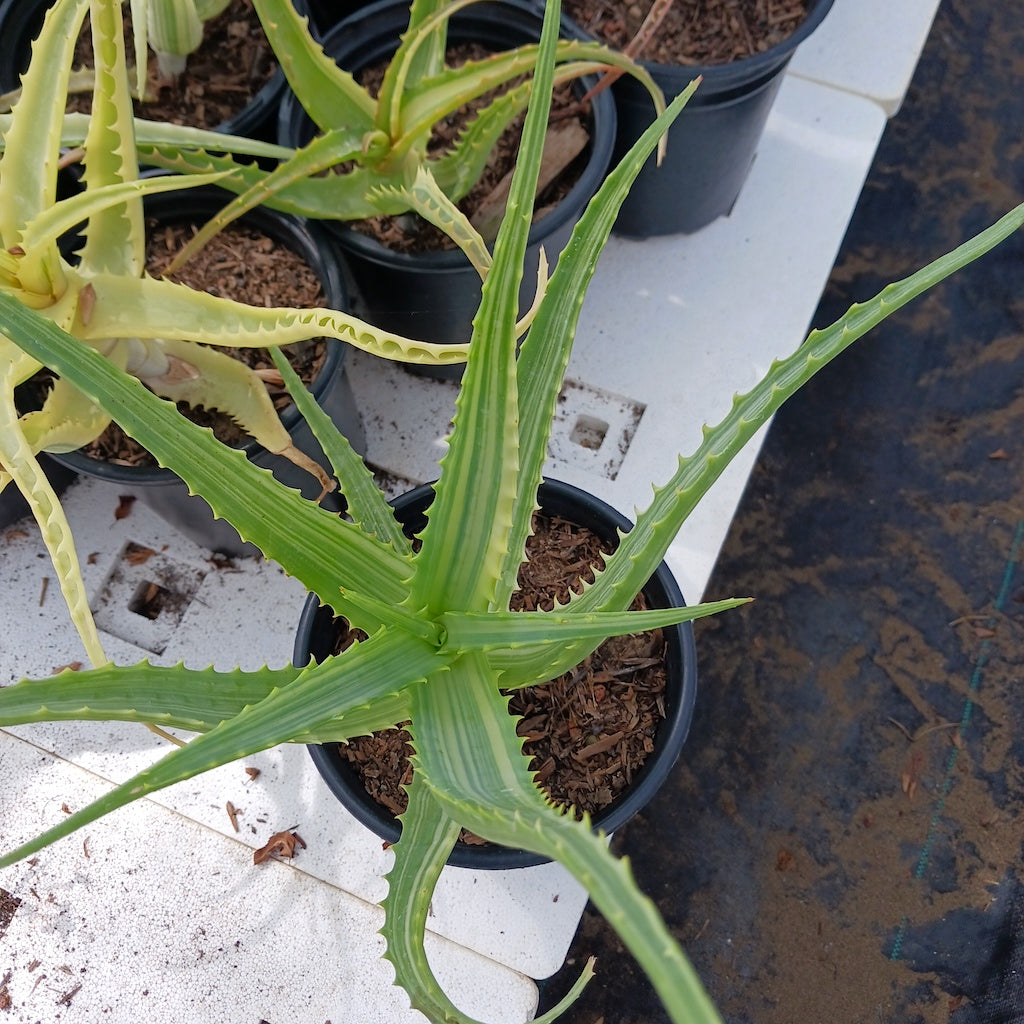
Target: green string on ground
x,y
975,684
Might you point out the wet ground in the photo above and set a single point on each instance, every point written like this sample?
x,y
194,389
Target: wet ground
x,y
842,840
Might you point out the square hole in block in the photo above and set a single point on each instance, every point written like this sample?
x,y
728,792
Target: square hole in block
x,y
150,599
589,432
146,596
593,428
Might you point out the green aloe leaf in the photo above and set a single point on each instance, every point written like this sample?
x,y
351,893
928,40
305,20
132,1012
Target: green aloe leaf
x,y
29,181
480,470
425,197
18,463
645,545
115,239
175,30
216,380
75,128
326,197
420,54
28,184
427,838
456,170
333,147
172,697
366,504
66,421
150,308
470,759
546,349
642,548
512,631
329,95
441,95
88,205
175,697
459,168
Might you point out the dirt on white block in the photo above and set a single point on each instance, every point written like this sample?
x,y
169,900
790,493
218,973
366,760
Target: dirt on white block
x,y
146,916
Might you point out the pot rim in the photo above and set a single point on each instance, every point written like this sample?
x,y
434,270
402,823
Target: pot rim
x,y
758,68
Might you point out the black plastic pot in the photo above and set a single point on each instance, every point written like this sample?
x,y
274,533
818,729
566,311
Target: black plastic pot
x,y
711,145
433,296
325,14
22,20
316,636
161,489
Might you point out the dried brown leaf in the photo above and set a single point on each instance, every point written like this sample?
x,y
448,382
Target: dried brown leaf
x,y
280,844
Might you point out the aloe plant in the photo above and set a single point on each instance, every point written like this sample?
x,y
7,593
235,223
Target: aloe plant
x,y
157,330
384,139
442,644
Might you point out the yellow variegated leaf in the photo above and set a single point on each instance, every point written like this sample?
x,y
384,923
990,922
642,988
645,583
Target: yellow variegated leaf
x,y
151,308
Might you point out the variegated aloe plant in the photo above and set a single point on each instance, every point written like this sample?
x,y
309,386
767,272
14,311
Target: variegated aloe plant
x,y
152,328
384,139
442,644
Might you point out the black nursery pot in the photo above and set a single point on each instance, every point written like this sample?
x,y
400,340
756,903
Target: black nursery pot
x,y
325,14
711,145
433,296
316,635
163,490
22,20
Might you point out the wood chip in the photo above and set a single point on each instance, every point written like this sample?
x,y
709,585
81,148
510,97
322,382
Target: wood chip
x,y
599,746
137,554
124,506
65,1000
280,844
